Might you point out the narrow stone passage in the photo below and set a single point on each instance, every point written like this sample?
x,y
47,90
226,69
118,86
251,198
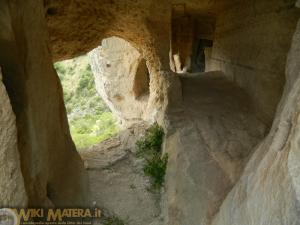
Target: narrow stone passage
x,y
210,142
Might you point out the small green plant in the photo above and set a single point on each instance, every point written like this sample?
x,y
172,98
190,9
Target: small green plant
x,y
156,169
149,147
151,142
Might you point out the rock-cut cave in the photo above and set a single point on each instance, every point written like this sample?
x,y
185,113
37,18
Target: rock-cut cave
x,y
222,78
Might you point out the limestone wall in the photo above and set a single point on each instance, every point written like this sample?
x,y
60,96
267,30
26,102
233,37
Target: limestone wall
x,y
52,169
268,191
78,27
251,42
12,190
122,79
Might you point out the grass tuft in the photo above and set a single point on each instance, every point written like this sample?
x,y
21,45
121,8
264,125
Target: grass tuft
x,y
149,148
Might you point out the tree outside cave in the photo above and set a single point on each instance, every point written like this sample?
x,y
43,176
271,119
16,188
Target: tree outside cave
x,y
90,119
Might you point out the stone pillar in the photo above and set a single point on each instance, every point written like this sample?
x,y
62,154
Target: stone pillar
x,y
52,169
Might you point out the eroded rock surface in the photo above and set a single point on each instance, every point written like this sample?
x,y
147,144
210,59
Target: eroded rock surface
x,y
250,39
268,191
122,79
208,143
12,189
52,169
251,42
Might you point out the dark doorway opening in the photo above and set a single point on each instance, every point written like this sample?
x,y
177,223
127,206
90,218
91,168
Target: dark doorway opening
x,y
198,55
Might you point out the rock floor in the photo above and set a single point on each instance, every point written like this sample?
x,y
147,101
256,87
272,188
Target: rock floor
x,y
208,142
117,183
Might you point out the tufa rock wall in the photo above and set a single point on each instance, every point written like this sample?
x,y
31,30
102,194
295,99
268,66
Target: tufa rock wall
x,y
268,191
52,169
121,78
139,22
12,190
250,46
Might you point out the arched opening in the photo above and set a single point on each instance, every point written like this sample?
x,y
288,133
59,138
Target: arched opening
x,y
100,86
111,81
191,40
200,55
141,81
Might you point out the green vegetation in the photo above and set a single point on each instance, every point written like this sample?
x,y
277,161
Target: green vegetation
x,y
89,118
149,147
156,169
